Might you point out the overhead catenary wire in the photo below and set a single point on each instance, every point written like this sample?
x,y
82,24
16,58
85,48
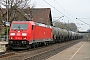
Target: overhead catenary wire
x,y
58,18
56,9
66,11
83,21
71,15
62,7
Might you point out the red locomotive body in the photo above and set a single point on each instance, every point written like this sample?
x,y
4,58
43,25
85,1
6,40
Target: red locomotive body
x,y
25,33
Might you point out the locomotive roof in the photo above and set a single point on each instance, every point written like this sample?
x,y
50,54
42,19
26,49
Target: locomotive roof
x,y
43,25
33,23
24,22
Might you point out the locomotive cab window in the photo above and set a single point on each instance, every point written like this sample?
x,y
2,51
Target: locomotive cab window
x,y
19,26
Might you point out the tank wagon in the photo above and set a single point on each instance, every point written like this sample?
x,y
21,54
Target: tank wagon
x,y
25,34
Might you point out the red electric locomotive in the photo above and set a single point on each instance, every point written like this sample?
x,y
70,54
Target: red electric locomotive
x,y
25,33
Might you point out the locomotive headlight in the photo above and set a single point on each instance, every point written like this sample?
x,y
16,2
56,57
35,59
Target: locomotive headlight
x,y
11,37
12,34
24,34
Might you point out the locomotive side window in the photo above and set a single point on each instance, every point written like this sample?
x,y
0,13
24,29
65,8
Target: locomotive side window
x,y
19,26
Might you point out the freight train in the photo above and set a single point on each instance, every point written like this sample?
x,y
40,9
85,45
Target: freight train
x,y
25,34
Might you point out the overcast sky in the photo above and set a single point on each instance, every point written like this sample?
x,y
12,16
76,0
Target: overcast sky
x,y
71,9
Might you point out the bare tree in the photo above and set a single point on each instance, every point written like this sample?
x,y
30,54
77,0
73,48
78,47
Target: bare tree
x,y
12,6
16,3
67,26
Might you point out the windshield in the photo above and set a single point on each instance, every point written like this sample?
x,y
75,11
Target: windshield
x,y
19,26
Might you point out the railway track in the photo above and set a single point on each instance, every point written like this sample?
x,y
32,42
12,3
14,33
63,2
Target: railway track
x,y
39,53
